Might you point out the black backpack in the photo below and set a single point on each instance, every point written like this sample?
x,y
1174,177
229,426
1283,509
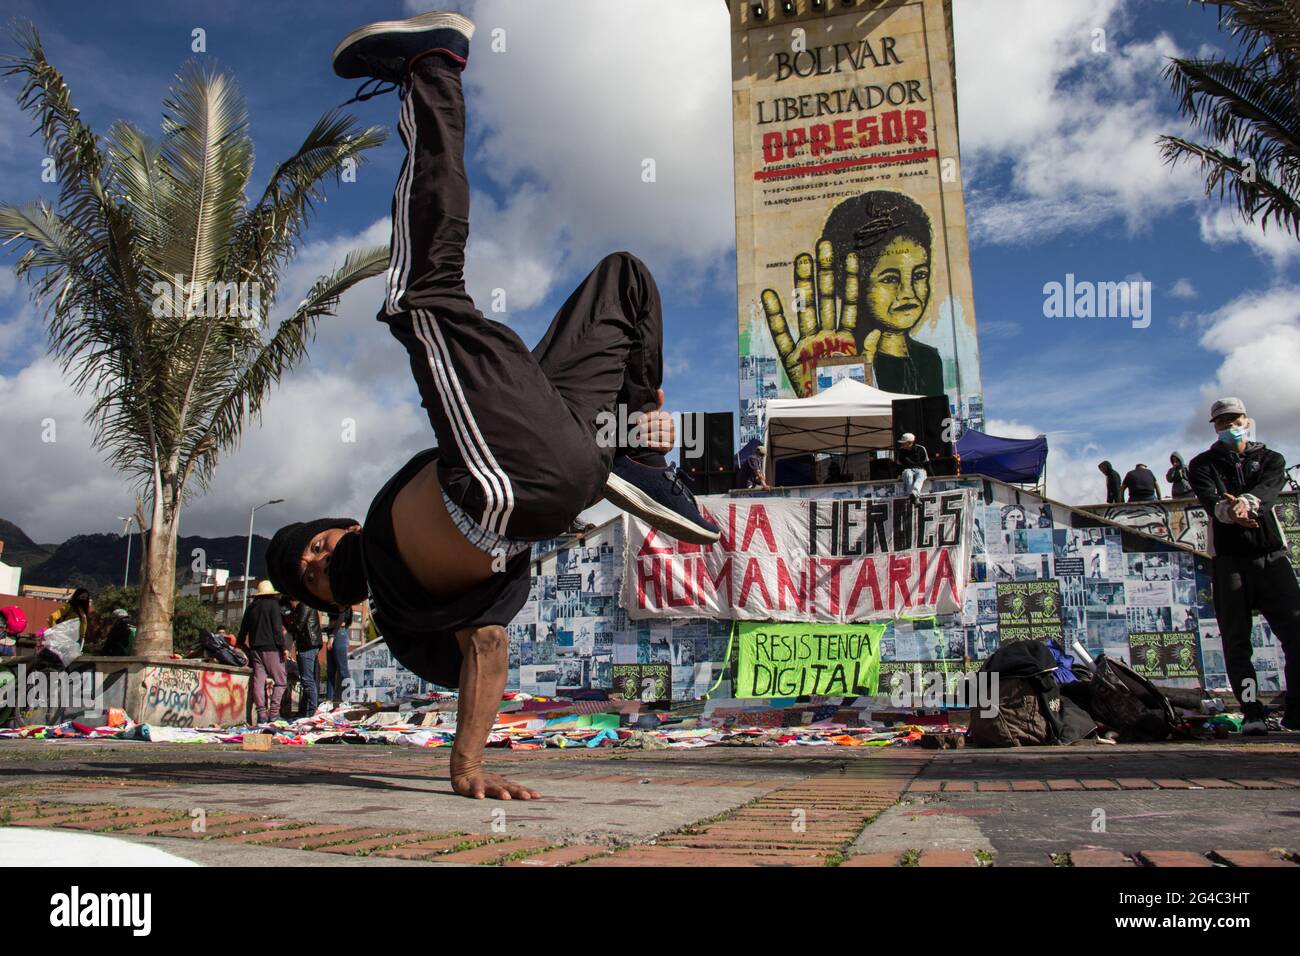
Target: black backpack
x,y
216,648
1031,710
1125,701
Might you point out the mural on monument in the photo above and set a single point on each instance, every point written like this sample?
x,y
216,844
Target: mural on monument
x,y
852,257
871,292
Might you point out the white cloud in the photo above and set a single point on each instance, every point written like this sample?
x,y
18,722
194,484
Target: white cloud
x,y
1009,429
1222,225
53,489
565,117
1000,329
1258,335
1073,129
1183,289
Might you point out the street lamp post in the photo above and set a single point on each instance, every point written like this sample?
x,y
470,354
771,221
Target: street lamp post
x,y
126,530
248,555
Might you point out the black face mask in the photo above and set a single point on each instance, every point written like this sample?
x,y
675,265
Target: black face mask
x,y
347,571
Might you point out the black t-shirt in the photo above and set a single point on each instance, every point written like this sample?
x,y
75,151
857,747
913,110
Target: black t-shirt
x,y
1141,485
914,457
420,629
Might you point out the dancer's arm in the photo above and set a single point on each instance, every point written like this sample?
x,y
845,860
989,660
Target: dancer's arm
x,y
482,682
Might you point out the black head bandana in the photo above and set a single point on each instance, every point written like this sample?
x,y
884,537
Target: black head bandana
x,y
284,557
347,571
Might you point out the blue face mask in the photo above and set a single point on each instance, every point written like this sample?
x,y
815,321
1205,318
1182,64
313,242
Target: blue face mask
x,y
1233,435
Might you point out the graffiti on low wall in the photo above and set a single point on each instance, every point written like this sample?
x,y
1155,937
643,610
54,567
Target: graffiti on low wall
x,y
191,697
1185,522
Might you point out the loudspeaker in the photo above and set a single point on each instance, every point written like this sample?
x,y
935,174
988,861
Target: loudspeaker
x,y
798,470
926,418
943,466
719,441
713,471
882,469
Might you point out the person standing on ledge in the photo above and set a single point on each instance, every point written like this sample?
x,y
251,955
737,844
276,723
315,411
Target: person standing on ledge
x,y
1179,486
1238,482
1141,484
1114,494
445,552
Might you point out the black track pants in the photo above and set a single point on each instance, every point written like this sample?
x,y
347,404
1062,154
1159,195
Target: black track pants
x,y
516,429
1243,585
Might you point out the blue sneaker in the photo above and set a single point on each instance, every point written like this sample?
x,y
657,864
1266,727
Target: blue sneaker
x,y
659,497
384,50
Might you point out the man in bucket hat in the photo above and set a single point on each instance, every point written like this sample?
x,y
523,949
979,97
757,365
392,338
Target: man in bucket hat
x,y
1238,482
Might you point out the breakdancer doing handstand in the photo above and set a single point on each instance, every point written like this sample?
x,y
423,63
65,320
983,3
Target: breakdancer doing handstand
x,y
444,553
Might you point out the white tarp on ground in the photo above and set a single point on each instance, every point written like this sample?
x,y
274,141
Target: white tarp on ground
x,y
847,418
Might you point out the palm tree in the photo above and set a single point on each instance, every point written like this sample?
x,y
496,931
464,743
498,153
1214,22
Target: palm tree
x,y
157,276
1248,110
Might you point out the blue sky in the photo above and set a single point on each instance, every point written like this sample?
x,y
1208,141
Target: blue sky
x,y
1060,169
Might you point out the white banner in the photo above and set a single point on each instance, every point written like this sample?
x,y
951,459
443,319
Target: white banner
x,y
832,560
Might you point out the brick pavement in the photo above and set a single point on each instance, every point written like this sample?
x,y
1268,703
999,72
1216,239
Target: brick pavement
x,y
806,810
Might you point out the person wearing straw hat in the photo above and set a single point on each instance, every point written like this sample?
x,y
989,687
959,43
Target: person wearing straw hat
x,y
261,636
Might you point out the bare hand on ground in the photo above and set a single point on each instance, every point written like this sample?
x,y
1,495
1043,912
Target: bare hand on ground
x,y
493,786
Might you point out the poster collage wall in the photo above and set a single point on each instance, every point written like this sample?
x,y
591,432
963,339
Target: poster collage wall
x,y
1039,570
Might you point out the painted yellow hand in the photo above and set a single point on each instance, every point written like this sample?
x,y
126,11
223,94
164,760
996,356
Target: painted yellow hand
x,y
826,325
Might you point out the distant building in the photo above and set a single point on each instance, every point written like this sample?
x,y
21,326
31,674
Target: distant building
x,y
41,592
10,576
225,595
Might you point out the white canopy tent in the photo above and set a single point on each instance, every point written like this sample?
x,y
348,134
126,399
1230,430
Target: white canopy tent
x,y
847,418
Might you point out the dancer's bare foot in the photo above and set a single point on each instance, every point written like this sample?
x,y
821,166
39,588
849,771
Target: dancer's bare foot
x,y
481,784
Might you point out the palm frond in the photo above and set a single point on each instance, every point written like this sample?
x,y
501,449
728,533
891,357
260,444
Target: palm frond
x,y
1248,112
244,398
268,236
1260,200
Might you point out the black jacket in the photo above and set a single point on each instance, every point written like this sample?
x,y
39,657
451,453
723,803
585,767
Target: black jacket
x,y
306,628
1114,495
1257,471
914,457
1179,487
262,626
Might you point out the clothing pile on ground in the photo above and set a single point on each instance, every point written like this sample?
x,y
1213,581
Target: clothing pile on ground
x,y
525,722
1045,697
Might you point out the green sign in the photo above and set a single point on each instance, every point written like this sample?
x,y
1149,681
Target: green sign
x,y
799,660
1029,610
1161,655
1287,511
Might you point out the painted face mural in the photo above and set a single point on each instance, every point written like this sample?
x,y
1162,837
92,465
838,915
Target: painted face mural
x,y
863,295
